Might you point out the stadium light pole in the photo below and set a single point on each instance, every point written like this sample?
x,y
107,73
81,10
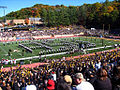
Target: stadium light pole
x,y
4,7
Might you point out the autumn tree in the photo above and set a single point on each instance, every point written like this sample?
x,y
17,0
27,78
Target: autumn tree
x,y
26,21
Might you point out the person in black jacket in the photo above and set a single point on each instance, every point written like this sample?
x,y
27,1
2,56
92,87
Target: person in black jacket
x,y
102,81
15,85
116,78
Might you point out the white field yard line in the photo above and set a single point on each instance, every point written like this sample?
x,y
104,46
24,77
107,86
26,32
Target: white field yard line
x,y
97,48
41,56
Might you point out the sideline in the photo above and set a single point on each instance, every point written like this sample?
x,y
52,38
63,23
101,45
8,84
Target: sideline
x,y
24,66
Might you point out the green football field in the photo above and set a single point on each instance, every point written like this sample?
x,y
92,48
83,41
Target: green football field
x,y
11,50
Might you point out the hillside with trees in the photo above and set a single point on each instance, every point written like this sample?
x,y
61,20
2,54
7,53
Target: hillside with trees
x,y
89,15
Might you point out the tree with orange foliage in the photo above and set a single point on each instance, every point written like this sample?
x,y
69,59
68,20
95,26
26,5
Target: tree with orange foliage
x,y
110,9
26,21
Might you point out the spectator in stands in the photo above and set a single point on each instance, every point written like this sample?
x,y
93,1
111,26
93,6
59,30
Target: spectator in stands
x,y
82,84
8,87
62,85
116,78
15,85
30,87
98,65
4,85
0,88
68,80
92,77
102,81
50,85
53,74
0,82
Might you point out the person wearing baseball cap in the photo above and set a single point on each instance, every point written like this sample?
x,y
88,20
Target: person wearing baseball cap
x,y
82,84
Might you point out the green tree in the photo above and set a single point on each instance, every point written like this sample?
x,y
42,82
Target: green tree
x,y
107,3
115,0
58,16
73,15
82,16
65,17
51,18
44,16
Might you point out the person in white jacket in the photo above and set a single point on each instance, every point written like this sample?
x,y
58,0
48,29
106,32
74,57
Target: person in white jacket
x,y
53,74
82,84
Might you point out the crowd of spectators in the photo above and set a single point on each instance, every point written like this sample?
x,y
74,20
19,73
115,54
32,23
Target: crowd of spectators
x,y
95,72
44,32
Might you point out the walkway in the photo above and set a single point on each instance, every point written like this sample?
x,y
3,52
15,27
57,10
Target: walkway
x,y
97,48
24,66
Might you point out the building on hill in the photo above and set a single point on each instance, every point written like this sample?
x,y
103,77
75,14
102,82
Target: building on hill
x,y
16,21
35,21
23,21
